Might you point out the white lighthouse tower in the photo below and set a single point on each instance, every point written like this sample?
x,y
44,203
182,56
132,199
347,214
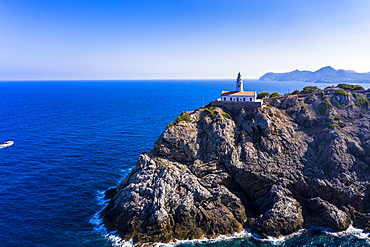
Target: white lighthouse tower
x,y
239,83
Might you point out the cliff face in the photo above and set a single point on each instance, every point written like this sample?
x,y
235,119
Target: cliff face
x,y
298,161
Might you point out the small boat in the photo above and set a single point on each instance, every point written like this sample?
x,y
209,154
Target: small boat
x,y
6,144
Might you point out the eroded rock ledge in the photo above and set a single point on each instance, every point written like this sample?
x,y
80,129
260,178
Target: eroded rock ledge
x,y
298,161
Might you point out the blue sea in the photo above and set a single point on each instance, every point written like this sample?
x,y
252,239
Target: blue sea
x,y
75,139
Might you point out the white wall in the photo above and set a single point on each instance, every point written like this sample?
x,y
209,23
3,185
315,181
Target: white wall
x,y
241,99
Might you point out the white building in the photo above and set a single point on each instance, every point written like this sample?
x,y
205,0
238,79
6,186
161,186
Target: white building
x,y
239,95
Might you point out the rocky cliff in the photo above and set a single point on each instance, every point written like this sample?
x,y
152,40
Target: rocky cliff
x,y
298,161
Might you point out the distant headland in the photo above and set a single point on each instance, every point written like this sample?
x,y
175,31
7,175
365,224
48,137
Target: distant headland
x,y
323,75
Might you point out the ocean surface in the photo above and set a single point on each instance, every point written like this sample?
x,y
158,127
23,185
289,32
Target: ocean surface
x,y
75,139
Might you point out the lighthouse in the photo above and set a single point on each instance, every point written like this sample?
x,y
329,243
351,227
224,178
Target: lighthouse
x,y
239,95
238,99
239,83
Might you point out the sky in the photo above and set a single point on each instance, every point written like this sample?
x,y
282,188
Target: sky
x,y
179,39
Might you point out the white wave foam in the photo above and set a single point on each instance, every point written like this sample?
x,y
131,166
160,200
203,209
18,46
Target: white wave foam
x,y
98,224
274,240
110,236
221,238
101,198
118,242
351,231
96,220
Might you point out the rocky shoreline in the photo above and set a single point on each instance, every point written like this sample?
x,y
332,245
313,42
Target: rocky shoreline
x,y
300,160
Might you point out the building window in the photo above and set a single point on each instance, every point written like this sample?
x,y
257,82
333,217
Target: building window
x,y
224,98
250,99
243,99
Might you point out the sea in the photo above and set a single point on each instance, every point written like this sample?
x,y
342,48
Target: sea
x,y
75,139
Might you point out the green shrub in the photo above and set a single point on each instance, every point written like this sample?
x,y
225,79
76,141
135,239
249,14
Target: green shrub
x,y
337,117
183,117
210,112
303,107
324,106
363,111
362,101
350,87
341,92
275,94
295,92
226,115
309,89
263,95
334,126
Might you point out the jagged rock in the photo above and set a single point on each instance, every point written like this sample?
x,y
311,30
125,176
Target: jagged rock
x,y
327,215
283,217
274,170
162,200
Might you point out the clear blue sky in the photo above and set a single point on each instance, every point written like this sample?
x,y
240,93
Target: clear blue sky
x,y
124,39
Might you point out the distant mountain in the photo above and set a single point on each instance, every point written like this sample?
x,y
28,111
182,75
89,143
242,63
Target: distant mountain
x,y
324,75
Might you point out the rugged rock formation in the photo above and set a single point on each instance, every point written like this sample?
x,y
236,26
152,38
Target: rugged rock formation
x,y
297,161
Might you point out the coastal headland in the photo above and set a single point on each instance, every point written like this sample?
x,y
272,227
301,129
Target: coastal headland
x,y
324,75
298,160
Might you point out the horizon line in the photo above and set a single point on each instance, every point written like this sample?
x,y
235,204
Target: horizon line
x,y
131,79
